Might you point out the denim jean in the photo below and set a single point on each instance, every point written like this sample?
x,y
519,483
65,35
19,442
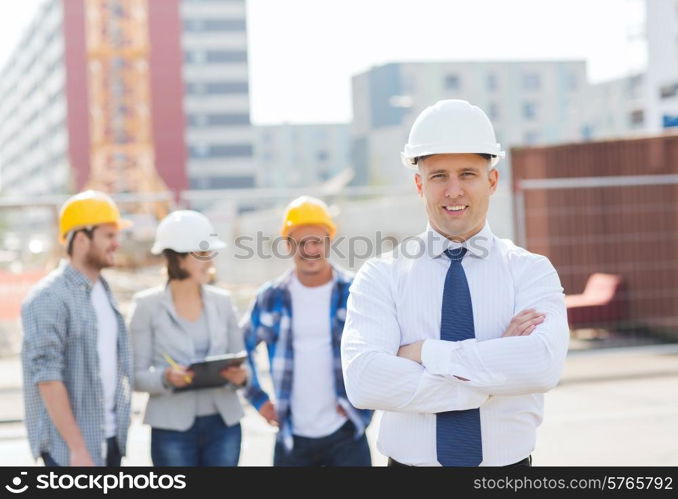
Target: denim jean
x,y
209,442
113,457
340,448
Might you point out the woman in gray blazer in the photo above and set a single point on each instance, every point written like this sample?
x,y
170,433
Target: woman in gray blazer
x,y
181,323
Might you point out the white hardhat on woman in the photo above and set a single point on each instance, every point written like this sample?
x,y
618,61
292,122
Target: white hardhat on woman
x,y
186,231
451,126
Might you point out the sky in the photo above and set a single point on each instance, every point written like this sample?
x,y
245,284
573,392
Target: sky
x,y
303,53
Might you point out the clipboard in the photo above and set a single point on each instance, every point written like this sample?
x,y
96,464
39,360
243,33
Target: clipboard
x,y
207,371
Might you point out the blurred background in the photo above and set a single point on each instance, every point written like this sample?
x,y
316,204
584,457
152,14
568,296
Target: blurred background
x,y
235,107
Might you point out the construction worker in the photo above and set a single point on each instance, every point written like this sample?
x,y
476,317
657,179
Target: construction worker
x,y
300,318
76,359
175,325
457,335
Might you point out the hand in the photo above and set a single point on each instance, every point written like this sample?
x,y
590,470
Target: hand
x,y
411,351
268,412
341,411
236,375
524,323
179,376
81,457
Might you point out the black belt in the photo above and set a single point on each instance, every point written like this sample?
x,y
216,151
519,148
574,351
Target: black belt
x,y
525,462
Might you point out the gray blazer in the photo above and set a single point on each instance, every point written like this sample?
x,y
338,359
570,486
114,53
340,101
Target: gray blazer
x,y
155,330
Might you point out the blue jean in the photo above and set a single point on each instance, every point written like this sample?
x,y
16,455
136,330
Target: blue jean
x,y
209,442
340,448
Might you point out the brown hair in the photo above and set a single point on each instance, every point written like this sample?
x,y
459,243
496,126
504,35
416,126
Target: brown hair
x,y
174,270
488,157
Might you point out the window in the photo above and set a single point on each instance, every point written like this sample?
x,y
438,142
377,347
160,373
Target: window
x,y
587,132
226,56
220,151
452,82
493,111
668,91
531,138
202,25
529,110
215,56
216,120
573,82
195,57
492,82
531,81
637,117
217,88
225,182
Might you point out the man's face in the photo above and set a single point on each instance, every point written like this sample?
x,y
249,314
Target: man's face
x,y
457,190
100,253
310,245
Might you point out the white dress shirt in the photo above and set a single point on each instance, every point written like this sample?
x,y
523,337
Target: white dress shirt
x,y
396,300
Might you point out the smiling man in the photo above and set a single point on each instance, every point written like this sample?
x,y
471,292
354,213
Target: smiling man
x,y
456,334
300,318
76,357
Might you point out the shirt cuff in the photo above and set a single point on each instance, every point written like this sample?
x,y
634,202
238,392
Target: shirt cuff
x,y
436,355
45,375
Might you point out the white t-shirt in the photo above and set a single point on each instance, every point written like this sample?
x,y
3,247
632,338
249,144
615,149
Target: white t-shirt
x,y
107,346
314,399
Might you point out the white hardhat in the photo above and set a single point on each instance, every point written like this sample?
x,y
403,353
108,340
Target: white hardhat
x,y
451,126
186,231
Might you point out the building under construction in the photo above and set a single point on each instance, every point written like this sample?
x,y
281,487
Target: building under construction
x,y
127,96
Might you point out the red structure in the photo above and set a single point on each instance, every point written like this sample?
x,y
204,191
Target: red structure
x,y
166,91
606,207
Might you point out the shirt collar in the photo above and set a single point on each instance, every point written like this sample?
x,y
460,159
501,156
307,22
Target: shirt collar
x,y
478,246
338,275
74,275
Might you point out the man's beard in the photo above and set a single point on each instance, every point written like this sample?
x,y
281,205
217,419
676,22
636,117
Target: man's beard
x,y
96,261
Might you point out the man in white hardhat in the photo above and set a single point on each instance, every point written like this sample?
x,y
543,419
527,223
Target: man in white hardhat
x,y
456,334
179,324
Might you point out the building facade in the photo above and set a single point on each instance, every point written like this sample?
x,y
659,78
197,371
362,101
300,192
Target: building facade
x,y
528,103
661,28
291,156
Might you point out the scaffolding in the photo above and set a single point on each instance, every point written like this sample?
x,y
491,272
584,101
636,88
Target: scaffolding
x,y
122,151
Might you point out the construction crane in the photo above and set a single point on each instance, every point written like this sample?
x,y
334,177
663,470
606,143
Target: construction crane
x,y
122,152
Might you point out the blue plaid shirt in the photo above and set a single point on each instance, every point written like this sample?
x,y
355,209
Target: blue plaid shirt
x,y
60,344
270,321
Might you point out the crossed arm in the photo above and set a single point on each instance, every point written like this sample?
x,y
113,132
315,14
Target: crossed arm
x,y
435,375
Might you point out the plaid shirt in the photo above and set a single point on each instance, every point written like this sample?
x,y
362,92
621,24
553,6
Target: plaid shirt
x,y
60,344
270,321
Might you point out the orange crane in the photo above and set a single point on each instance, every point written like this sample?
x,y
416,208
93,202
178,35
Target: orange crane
x,y
122,152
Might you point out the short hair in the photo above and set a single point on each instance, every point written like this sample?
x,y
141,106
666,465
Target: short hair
x,y
174,270
89,232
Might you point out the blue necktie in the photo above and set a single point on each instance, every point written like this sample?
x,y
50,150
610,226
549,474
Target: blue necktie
x,y
458,440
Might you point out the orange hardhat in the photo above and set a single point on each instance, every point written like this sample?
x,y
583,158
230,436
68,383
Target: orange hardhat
x,y
307,210
87,209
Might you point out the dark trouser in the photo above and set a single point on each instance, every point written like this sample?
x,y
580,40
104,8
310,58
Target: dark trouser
x,y
113,456
209,442
341,448
525,462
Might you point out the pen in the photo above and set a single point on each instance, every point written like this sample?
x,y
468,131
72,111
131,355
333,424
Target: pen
x,y
174,365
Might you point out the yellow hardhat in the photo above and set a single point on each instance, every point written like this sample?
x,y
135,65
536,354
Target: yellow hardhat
x,y
86,209
306,210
